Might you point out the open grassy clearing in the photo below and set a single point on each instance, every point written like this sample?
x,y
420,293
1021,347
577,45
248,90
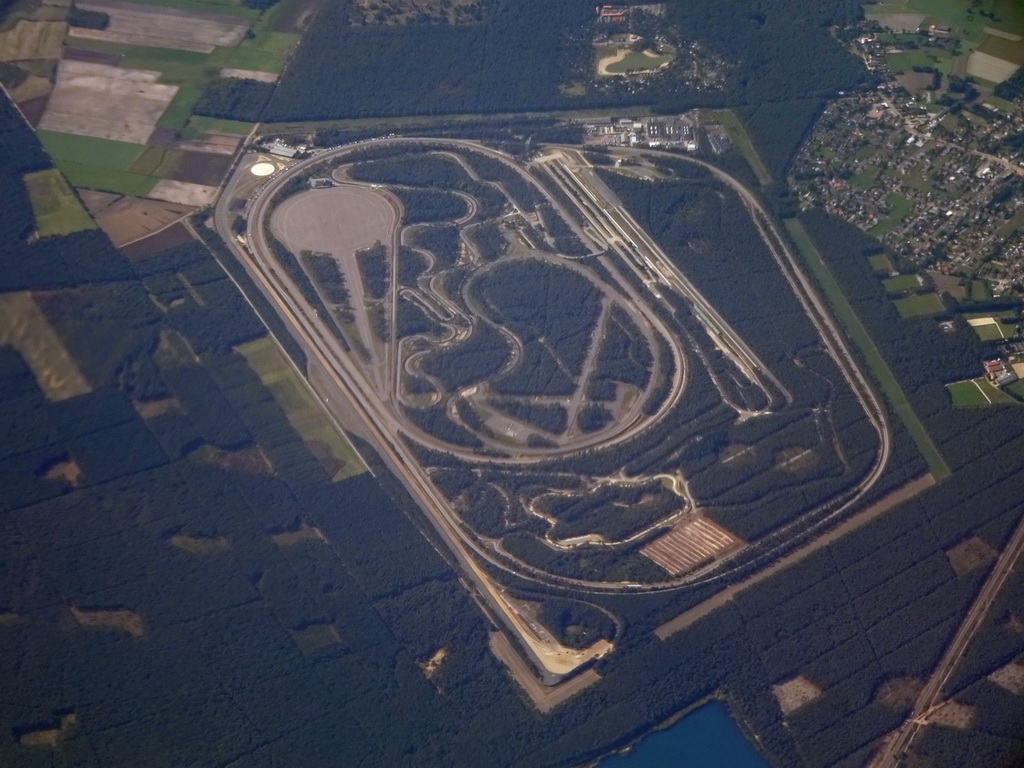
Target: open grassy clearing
x,y
902,283
881,263
740,137
993,326
24,327
56,208
866,178
920,305
974,393
303,411
862,339
899,206
929,57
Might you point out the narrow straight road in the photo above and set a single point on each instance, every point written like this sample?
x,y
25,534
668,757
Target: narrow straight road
x,y
898,743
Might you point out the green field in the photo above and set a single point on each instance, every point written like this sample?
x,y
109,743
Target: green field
x,y
881,263
899,206
198,125
107,164
866,178
977,392
869,352
1005,326
926,57
740,137
302,409
116,155
55,206
919,305
901,283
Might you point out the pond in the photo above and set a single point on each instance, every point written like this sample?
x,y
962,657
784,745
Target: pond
x,y
708,737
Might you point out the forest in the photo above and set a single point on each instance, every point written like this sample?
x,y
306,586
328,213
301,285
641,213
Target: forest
x,y
191,522
524,52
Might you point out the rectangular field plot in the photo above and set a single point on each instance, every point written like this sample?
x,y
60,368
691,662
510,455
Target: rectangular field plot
x,y
689,544
56,209
977,392
993,327
921,304
302,410
148,25
106,102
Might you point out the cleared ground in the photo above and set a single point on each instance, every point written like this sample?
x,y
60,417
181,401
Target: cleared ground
x,y
544,697
57,211
249,74
150,25
689,544
106,102
28,40
24,327
183,192
795,693
130,218
970,555
117,618
1010,678
340,220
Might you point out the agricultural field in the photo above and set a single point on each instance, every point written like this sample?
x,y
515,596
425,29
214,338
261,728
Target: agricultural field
x,y
56,208
302,410
902,283
139,81
993,327
977,392
919,305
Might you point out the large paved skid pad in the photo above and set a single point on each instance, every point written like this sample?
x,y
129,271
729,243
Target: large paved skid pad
x,y
106,102
149,25
340,220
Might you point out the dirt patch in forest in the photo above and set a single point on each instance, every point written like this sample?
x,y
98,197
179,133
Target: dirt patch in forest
x,y
796,459
1010,678
431,665
296,534
120,619
200,545
953,714
899,693
48,737
795,693
970,555
64,469
150,409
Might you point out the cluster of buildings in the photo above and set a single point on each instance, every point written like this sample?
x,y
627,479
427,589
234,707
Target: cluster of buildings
x,y
928,172
675,132
997,372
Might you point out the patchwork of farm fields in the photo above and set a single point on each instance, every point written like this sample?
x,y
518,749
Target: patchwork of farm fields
x,y
116,107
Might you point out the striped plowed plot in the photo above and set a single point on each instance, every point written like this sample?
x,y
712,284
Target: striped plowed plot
x,y
150,25
689,544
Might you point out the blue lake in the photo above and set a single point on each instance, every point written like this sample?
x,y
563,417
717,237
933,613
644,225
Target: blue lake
x,y
708,737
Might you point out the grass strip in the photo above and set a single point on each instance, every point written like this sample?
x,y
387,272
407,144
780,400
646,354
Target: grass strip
x,y
872,356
